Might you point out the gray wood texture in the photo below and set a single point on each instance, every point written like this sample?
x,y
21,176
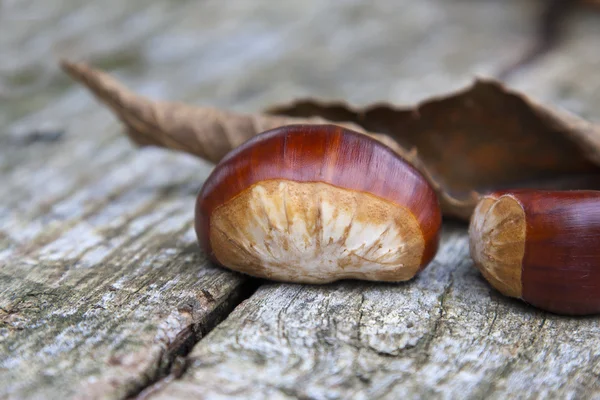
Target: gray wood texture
x,y
103,290
443,335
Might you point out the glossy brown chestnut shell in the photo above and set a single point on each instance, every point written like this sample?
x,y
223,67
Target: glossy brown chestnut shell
x,y
541,246
318,203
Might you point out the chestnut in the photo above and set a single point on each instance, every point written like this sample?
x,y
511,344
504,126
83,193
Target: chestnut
x,y
315,204
541,246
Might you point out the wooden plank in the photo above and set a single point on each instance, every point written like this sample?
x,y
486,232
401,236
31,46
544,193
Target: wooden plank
x,y
103,286
444,335
101,283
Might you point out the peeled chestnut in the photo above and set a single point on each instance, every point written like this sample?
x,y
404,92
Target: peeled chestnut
x,y
542,247
318,203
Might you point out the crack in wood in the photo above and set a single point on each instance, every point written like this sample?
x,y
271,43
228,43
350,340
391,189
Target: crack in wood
x,y
175,357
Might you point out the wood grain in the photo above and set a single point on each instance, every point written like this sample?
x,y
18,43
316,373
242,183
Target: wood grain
x,y
101,280
66,204
444,335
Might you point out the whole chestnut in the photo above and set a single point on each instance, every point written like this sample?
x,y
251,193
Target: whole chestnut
x,y
315,204
541,246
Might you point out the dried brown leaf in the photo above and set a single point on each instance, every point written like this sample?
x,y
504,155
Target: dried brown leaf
x,y
483,138
208,133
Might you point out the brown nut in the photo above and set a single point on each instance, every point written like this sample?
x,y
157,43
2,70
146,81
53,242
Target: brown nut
x,y
541,246
315,204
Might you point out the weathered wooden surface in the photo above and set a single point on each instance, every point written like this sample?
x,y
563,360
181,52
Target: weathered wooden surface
x,y
446,334
101,283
